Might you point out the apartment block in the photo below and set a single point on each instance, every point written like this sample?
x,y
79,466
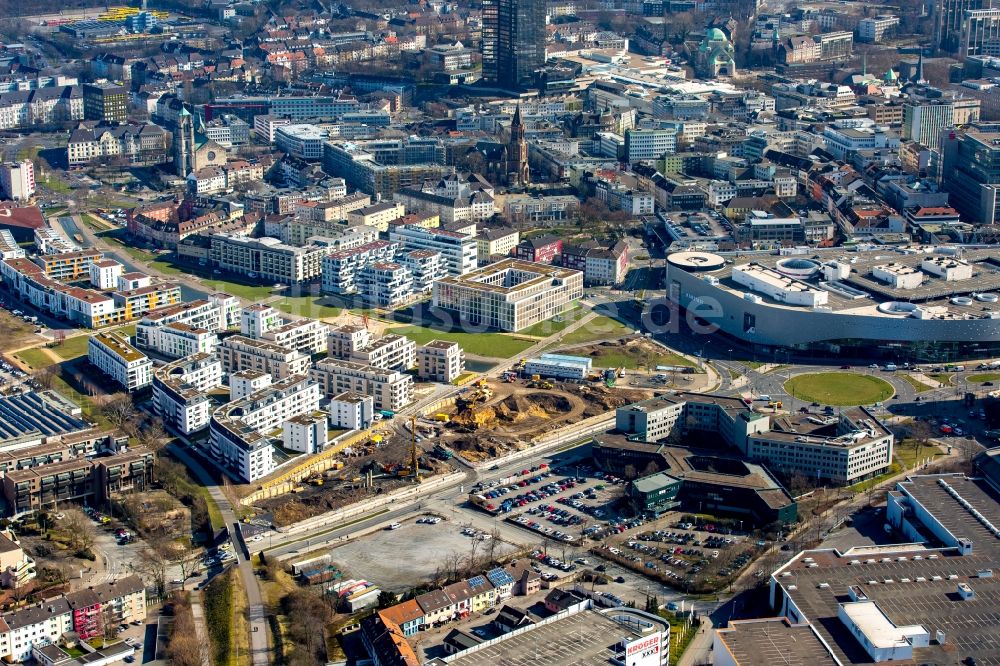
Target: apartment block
x,y
305,433
104,274
385,283
459,251
178,340
390,352
305,335
377,215
390,389
258,319
69,266
340,269
245,382
115,357
353,411
219,312
496,243
180,391
342,341
440,361
239,444
239,352
266,258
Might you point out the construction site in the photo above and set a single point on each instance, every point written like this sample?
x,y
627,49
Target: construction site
x,y
496,417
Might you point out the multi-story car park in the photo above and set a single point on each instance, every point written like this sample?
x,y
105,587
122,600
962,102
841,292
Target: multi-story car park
x,y
440,361
242,353
114,356
266,258
391,390
509,295
837,306
391,352
180,391
238,443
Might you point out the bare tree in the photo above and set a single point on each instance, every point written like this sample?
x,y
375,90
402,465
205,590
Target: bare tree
x,y
79,529
152,434
46,376
119,410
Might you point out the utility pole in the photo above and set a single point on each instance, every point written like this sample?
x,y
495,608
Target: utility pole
x,y
415,470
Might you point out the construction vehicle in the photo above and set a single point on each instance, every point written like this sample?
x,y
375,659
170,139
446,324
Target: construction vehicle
x,y
442,418
386,414
774,404
480,383
509,376
316,481
442,452
610,377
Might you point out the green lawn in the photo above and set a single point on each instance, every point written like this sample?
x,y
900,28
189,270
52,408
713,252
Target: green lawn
x,y
918,386
862,486
906,453
985,377
306,306
632,361
246,291
598,328
492,345
839,388
35,358
55,184
544,329
71,348
942,377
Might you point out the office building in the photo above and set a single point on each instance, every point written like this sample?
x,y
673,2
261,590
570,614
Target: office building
x,y
352,411
238,443
972,175
301,141
509,295
873,29
440,361
180,392
124,364
17,180
458,251
239,352
105,102
949,17
390,389
923,120
266,258
513,42
381,168
649,144
980,32
559,366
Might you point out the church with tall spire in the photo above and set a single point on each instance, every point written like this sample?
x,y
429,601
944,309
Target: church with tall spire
x,y
518,174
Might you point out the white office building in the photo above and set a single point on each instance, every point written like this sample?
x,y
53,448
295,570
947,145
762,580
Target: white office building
x,y
303,141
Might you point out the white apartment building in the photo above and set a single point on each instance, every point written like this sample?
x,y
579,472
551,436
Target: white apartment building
x,y
425,266
17,180
266,258
386,283
391,352
460,251
238,443
509,295
49,241
180,391
9,249
104,274
440,361
352,411
239,352
305,335
305,433
258,319
220,312
390,389
245,382
112,354
342,341
178,340
341,268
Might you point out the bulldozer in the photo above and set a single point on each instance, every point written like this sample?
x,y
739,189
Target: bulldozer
x,y
539,383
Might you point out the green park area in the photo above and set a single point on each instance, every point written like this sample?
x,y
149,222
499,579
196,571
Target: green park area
x,y
839,388
983,378
598,328
306,306
544,329
491,345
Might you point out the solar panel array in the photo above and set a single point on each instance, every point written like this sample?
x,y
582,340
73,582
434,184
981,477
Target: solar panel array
x,y
499,577
28,413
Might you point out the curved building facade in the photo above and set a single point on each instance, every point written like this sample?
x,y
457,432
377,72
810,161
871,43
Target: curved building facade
x,y
843,307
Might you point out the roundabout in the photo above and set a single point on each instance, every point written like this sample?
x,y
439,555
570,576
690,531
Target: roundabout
x,y
839,389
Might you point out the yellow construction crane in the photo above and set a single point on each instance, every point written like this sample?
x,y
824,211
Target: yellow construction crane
x,y
414,467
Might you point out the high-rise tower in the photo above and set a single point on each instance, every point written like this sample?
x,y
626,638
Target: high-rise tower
x,y
513,43
949,21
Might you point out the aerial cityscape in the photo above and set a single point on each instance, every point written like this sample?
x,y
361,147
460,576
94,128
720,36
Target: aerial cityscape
x,y
500,333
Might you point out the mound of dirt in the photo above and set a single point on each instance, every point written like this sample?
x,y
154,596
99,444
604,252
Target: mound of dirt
x,y
517,408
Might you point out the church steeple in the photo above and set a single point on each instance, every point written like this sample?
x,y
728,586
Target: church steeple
x,y
517,153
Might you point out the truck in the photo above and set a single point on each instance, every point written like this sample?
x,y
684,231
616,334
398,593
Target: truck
x,y
891,367
442,452
442,418
386,413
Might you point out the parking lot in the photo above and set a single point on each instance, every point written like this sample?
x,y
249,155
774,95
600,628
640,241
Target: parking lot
x,y
391,560
563,504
